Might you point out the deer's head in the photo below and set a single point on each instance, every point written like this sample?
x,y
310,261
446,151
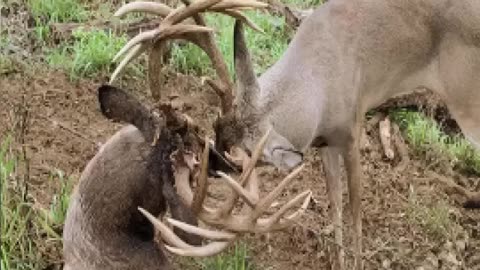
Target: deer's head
x,y
244,117
247,119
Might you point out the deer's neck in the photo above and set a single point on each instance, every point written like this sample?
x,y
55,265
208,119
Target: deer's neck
x,y
290,100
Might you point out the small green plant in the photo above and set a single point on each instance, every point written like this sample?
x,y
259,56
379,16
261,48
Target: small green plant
x,y
18,248
60,201
52,219
42,32
91,53
6,64
236,259
265,48
27,231
57,11
304,3
434,219
47,12
426,136
94,50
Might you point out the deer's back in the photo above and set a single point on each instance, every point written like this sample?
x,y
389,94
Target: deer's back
x,y
103,228
348,53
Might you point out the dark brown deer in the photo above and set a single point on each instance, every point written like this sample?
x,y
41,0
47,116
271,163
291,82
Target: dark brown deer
x,y
103,224
111,218
346,57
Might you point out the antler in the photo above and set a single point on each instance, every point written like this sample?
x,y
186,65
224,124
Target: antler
x,y
199,34
232,225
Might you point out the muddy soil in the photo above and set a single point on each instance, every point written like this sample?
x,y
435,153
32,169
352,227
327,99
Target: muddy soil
x,y
63,128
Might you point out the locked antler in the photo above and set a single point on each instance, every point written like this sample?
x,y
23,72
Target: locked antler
x,y
198,33
232,225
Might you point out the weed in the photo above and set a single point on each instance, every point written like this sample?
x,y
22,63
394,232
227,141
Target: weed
x,y
6,64
57,11
434,219
42,32
25,232
304,3
425,135
18,248
104,10
265,48
3,40
91,53
47,12
235,258
52,219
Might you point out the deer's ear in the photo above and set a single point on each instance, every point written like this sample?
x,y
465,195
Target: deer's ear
x,y
247,84
116,104
119,106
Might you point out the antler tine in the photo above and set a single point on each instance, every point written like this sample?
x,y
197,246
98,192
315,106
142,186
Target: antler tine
x,y
198,34
240,16
189,10
267,201
134,53
184,249
239,4
209,250
158,34
144,6
256,154
167,234
267,224
208,45
230,203
232,225
213,235
202,187
249,198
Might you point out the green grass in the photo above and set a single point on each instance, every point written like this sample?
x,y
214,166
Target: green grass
x,y
303,3
27,231
235,258
264,48
434,219
426,137
57,11
6,64
47,12
90,54
18,247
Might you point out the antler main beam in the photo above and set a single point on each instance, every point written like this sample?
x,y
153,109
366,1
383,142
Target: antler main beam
x,y
232,225
171,27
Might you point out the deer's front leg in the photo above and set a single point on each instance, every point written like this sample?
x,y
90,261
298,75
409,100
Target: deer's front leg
x,y
354,178
331,166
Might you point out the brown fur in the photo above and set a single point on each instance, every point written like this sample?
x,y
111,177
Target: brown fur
x,y
346,58
103,228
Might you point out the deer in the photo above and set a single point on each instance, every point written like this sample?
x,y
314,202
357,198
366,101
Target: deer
x,y
145,167
344,59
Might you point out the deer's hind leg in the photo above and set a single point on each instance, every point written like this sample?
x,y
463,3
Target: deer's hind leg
x,y
459,70
331,165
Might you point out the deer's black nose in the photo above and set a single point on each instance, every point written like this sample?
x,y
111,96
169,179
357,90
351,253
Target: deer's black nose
x,y
217,162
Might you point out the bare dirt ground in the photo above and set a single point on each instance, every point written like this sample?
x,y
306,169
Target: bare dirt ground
x,y
401,231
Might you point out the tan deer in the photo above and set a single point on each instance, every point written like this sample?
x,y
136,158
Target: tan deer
x,y
347,57
112,214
